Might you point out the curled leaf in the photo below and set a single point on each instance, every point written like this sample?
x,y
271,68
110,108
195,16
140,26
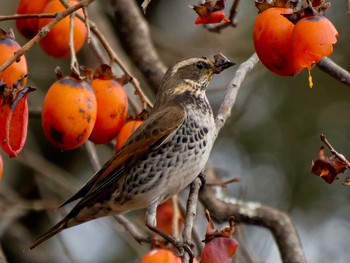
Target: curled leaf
x,y
326,167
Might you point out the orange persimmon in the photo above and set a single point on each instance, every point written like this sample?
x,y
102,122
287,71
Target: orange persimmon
x,y
125,132
112,106
273,41
220,249
55,43
160,256
69,112
17,71
29,27
312,39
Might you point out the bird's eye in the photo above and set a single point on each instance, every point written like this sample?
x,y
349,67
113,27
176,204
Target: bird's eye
x,y
200,65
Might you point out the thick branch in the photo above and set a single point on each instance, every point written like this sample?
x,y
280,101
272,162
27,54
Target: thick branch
x,y
134,31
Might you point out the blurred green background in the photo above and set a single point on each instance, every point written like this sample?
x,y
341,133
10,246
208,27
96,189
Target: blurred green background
x,y
269,141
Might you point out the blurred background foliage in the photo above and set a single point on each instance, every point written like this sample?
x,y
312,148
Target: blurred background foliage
x,y
269,142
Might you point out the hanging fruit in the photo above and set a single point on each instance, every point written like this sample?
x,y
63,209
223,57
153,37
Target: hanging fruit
x,y
69,112
112,106
55,43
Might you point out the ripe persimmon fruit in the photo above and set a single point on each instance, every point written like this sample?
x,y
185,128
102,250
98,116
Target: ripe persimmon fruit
x,y
273,41
125,132
112,106
160,256
29,27
312,39
17,72
69,112
55,43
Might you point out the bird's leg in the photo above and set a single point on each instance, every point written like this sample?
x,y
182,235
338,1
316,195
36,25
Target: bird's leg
x,y
202,177
151,223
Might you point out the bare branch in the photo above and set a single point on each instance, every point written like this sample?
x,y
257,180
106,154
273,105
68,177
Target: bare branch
x,y
232,91
337,72
191,212
136,36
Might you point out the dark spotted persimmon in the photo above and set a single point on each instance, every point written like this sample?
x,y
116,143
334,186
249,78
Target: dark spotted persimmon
x,y
112,106
125,132
312,39
69,112
17,72
273,41
55,43
29,27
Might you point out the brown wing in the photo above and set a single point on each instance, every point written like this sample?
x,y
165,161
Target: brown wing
x,y
151,134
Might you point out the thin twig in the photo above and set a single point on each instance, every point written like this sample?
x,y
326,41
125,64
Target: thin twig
x,y
43,32
26,16
74,65
191,212
86,18
132,229
232,17
333,151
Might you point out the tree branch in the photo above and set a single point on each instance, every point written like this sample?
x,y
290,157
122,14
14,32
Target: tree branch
x,y
134,32
222,206
337,72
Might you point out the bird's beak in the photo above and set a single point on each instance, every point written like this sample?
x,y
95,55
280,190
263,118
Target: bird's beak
x,y
221,63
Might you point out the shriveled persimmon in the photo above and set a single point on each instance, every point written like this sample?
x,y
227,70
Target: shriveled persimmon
x,y
220,249
212,18
29,27
125,132
17,72
14,122
69,112
112,106
55,43
312,39
273,41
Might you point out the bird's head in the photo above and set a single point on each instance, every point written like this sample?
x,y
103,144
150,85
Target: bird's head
x,y
192,74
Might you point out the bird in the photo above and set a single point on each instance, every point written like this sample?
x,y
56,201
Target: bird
x,y
163,156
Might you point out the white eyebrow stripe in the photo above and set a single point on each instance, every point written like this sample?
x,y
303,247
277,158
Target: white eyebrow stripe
x,y
182,64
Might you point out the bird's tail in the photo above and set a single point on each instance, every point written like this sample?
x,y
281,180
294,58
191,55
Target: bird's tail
x,y
50,233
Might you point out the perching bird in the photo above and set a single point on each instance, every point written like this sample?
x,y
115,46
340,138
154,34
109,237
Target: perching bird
x,y
163,156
